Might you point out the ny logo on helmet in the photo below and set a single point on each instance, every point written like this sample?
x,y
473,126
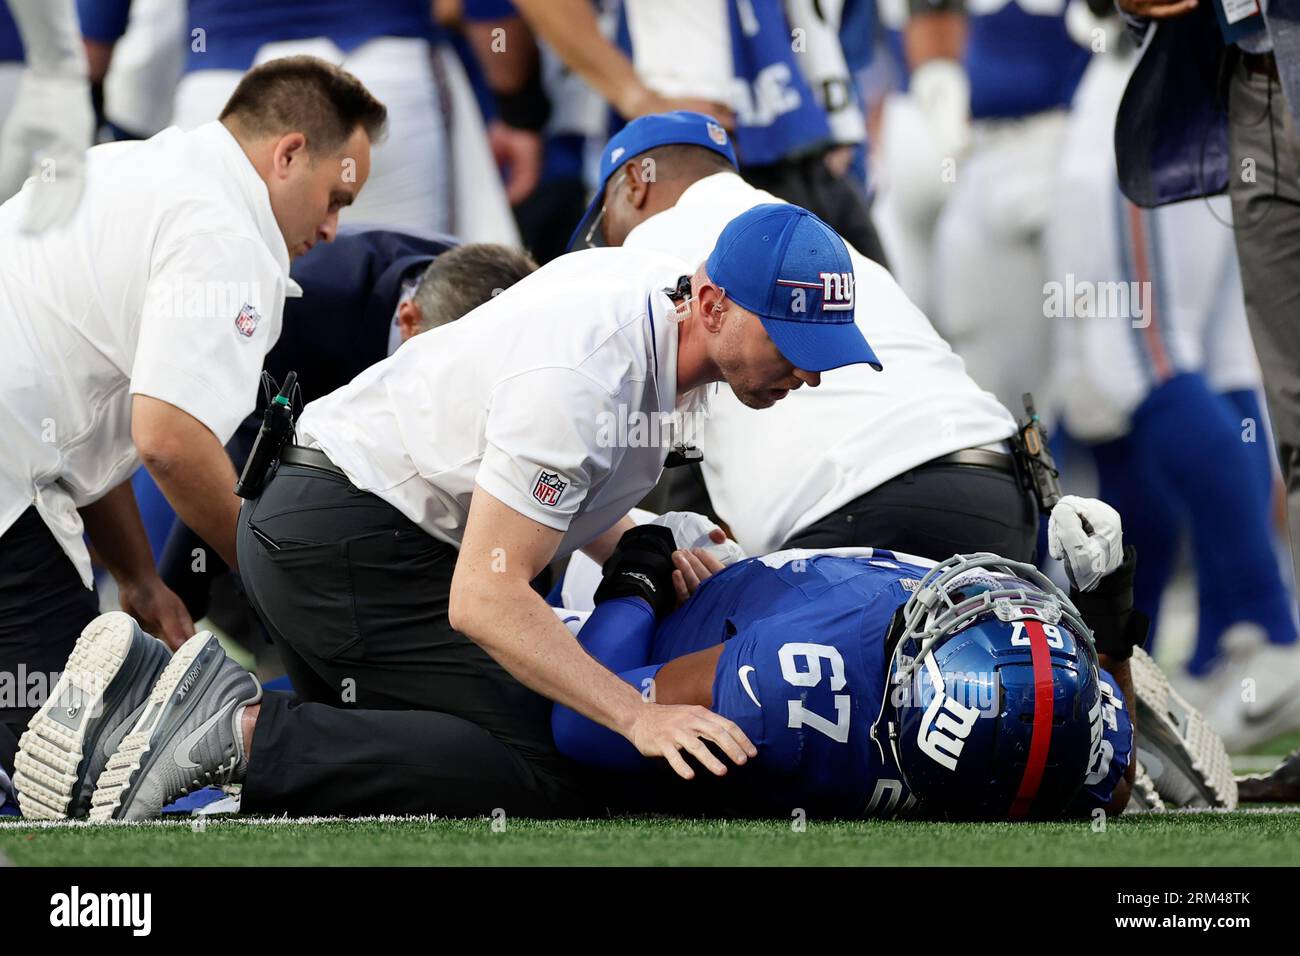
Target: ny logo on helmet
x,y
837,291
946,724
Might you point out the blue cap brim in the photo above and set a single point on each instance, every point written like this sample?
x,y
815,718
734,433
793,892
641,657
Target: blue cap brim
x,y
820,346
579,237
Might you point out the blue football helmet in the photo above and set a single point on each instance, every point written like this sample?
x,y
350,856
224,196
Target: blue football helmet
x,y
992,707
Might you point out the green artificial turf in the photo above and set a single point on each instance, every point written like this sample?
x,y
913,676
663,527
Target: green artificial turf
x,y
1255,838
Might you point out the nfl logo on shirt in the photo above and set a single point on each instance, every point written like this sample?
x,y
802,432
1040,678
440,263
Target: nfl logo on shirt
x,y
246,321
548,488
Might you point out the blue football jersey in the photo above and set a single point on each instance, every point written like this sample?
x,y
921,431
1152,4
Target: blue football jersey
x,y
803,669
777,113
1020,59
802,672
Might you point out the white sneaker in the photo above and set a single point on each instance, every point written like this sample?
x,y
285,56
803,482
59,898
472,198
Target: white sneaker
x,y
1184,757
1143,798
1253,694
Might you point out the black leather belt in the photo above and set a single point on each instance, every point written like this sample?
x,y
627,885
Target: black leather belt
x,y
310,458
979,457
1261,64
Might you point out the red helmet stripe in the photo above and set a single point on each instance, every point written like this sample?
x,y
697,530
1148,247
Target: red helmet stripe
x,y
1041,734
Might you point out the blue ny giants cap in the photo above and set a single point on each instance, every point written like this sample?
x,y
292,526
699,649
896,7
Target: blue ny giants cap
x,y
793,271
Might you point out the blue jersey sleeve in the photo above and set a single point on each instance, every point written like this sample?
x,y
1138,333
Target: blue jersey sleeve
x,y
618,634
1116,751
589,743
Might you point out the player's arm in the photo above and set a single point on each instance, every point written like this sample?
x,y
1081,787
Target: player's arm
x,y
493,604
191,468
689,679
571,28
601,547
506,52
121,544
103,22
934,44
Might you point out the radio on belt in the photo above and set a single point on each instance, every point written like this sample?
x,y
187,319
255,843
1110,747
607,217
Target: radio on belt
x,y
276,430
1034,463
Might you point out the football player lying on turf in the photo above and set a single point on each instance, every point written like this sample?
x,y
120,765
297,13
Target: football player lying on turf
x,y
870,680
1025,723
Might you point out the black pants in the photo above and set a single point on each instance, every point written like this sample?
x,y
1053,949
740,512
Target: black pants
x,y
400,713
837,200
934,511
43,608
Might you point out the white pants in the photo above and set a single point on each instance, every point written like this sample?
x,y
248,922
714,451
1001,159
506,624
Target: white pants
x,y
10,71
434,171
1178,263
146,66
990,256
909,197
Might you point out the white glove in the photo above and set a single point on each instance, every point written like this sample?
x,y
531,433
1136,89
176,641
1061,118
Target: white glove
x,y
46,135
691,530
942,91
1085,533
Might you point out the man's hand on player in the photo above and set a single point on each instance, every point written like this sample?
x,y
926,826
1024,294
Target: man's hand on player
x,y
692,530
694,567
1157,9
1085,533
669,730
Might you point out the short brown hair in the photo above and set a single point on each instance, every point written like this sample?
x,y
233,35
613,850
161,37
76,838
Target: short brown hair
x,y
305,94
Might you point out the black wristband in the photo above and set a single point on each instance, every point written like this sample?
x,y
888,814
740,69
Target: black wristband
x,y
642,566
1117,627
528,108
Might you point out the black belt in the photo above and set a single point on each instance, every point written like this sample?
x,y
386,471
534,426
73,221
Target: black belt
x,y
979,457
309,458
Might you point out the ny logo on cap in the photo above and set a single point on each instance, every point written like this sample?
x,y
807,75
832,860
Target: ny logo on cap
x,y
837,291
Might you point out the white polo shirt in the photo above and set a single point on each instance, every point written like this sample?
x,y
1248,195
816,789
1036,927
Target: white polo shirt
x,y
773,472
169,281
558,397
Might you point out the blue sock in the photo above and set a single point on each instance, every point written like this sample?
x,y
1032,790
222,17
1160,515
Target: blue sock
x,y
1245,407
1191,443
1152,519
